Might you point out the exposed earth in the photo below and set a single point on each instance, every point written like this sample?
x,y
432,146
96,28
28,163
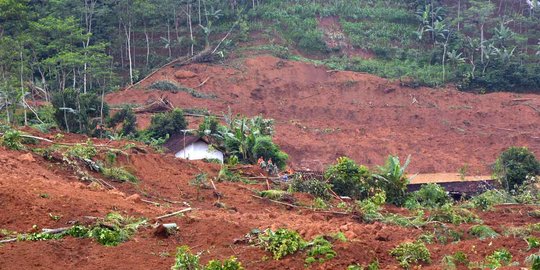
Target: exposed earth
x,y
33,189
323,114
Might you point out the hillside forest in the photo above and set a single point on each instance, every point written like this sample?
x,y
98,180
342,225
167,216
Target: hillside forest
x,y
97,46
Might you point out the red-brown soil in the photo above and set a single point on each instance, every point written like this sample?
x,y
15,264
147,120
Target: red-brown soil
x,y
31,188
323,114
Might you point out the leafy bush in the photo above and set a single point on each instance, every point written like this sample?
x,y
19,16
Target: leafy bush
x,y
411,253
185,260
488,199
281,242
228,264
371,266
119,174
75,112
167,124
499,258
532,242
227,175
393,180
209,126
431,196
348,179
452,261
84,151
454,215
12,139
319,250
483,232
127,118
514,166
533,261
265,148
319,203
273,194
370,207
312,186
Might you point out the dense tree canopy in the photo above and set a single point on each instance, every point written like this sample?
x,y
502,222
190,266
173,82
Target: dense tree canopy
x,y
100,45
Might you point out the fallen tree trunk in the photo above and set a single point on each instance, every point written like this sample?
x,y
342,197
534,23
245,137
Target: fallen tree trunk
x,y
47,231
174,213
163,104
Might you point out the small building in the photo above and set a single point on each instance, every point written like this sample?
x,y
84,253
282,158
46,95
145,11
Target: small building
x,y
192,148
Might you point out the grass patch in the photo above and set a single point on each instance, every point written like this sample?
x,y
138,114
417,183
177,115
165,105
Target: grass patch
x,y
119,174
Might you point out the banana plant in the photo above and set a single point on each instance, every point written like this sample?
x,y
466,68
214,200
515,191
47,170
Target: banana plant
x,y
393,180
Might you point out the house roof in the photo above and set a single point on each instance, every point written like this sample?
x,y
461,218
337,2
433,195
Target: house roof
x,y
176,142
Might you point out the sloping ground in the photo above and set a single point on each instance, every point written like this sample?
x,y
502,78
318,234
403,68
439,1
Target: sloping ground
x,y
323,114
31,188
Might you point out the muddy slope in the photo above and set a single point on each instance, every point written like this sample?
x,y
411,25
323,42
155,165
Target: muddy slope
x,y
323,114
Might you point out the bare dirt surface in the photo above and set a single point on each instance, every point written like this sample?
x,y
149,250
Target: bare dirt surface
x,y
32,188
323,114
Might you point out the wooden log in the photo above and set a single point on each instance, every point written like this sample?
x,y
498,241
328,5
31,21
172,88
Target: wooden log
x,y
174,213
47,231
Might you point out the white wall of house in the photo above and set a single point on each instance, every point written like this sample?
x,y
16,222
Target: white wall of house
x,y
199,150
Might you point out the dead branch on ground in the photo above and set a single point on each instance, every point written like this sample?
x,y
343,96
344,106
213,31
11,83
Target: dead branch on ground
x,y
174,213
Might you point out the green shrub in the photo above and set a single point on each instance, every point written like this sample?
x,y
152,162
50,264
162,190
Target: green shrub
x,y
127,118
514,166
319,250
488,199
533,261
319,203
110,231
415,221
227,175
370,207
483,232
228,264
444,234
185,260
455,215
84,151
273,194
431,196
281,242
265,148
452,261
348,179
371,266
12,139
411,253
312,186
499,258
532,242
209,126
167,124
119,174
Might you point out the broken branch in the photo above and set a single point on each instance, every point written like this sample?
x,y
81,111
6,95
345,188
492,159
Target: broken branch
x,y
174,213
